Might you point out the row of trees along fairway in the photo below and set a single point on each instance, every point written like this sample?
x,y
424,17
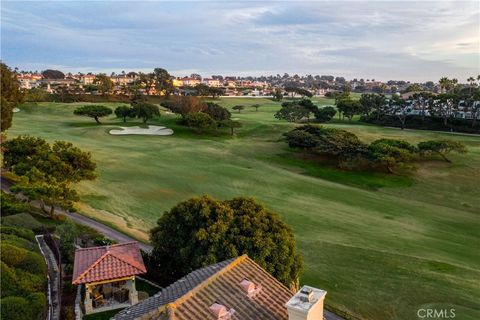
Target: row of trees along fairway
x,y
202,116
202,231
297,110
449,111
138,109
349,152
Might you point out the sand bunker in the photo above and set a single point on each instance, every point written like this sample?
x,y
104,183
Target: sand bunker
x,y
152,130
16,110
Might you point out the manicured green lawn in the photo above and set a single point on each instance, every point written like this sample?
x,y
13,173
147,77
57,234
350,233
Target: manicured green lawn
x,y
382,246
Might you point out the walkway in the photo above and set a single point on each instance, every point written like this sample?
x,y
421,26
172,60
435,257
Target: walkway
x,y
78,218
53,279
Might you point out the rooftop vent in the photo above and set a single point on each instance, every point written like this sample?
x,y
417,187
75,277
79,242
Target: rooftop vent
x,y
306,295
250,288
221,312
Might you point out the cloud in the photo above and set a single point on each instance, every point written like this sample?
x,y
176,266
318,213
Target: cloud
x,y
382,40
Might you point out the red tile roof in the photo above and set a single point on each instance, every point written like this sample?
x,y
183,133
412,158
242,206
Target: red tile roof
x,y
108,262
224,288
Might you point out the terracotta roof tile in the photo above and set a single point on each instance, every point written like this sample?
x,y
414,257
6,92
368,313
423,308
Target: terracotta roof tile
x,y
107,262
182,300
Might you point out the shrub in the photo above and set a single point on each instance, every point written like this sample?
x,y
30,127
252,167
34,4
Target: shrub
x,y
200,121
8,280
23,220
17,241
218,113
29,261
15,308
20,232
325,114
11,205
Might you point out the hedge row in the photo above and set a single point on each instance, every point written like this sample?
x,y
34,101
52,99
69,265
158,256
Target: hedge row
x,y
427,123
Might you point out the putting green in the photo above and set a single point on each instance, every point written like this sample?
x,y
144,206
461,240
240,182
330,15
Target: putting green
x,y
382,246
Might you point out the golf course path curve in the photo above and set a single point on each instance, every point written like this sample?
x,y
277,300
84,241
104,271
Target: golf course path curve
x,y
78,218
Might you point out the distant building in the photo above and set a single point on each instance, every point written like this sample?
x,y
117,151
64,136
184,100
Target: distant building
x,y
191,82
211,82
87,79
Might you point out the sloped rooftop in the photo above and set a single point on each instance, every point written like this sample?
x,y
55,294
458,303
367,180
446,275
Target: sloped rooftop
x,y
107,263
192,296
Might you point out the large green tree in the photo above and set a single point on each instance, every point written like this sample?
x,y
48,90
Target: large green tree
x,y
373,101
184,105
53,74
104,83
217,112
10,96
124,112
231,124
441,147
349,107
390,153
163,82
201,121
47,172
325,114
292,112
145,111
202,231
93,111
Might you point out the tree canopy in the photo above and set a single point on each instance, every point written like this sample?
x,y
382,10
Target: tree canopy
x,y
184,105
239,108
200,121
325,114
10,97
124,112
382,154
163,82
232,124
292,112
145,111
53,74
217,112
202,231
47,171
104,83
441,147
93,111
349,107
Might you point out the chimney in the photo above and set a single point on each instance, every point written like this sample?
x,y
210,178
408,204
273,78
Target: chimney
x,y
306,304
250,288
220,311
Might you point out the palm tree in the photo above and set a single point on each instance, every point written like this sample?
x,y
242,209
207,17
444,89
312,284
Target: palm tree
x,y
444,83
472,81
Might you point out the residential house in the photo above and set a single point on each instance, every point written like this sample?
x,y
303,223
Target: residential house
x,y
122,80
108,275
211,82
177,82
87,79
29,80
190,82
237,288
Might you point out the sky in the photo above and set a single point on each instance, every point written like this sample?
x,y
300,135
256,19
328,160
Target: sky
x,y
384,40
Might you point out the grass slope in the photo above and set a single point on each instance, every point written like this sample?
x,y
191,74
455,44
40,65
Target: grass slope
x,y
382,246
